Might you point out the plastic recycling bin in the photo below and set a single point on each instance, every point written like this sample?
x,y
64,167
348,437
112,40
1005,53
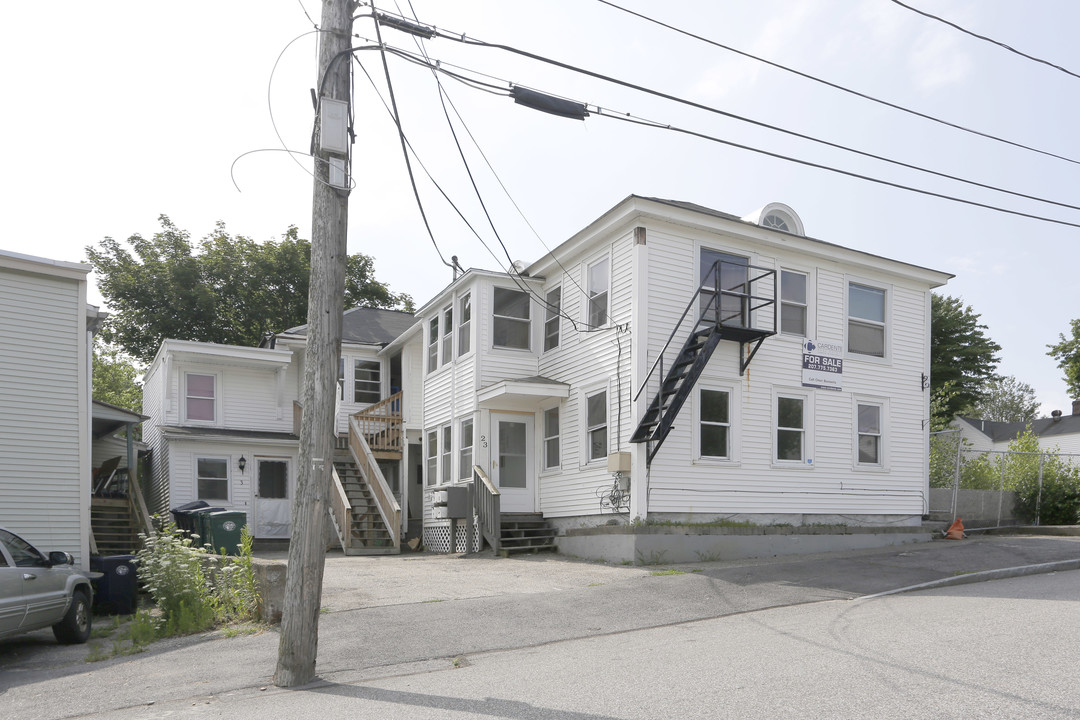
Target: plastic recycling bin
x,y
200,524
223,530
115,592
184,515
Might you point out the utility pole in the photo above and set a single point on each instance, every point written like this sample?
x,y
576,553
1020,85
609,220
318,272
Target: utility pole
x,y
329,222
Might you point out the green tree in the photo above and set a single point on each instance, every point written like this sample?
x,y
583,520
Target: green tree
x,y
1007,400
1067,354
1054,501
961,355
116,378
229,289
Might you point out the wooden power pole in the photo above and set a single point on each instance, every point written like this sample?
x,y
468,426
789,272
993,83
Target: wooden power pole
x,y
329,222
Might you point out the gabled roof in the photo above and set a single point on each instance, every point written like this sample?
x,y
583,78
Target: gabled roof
x,y
367,326
1043,427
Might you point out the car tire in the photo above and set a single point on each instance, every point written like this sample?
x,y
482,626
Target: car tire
x,y
75,627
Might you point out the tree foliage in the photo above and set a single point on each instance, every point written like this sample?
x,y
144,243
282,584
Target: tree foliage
x,y
227,289
1007,400
116,379
961,355
1067,354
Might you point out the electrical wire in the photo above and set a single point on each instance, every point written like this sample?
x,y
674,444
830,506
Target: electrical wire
x,y
984,38
316,158
306,14
630,118
270,105
841,88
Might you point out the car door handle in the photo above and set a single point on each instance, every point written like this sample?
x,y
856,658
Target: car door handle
x,y
29,576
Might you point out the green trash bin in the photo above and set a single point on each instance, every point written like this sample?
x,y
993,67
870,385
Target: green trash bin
x,y
223,530
199,524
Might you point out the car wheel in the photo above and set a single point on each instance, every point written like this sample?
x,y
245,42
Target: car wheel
x,y
75,627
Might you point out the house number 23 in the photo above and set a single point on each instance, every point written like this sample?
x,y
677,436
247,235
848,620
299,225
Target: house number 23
x,y
483,441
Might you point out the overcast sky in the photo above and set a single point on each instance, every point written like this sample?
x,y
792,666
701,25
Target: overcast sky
x,y
115,113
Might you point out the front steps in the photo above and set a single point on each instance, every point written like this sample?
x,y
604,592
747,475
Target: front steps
x,y
367,532
525,532
114,527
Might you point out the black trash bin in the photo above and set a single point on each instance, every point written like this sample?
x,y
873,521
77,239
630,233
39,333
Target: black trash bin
x,y
184,515
116,591
223,530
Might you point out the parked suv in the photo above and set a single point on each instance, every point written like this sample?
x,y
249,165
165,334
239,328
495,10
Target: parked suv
x,y
37,592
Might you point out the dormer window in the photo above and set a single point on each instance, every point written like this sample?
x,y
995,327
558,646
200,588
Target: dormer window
x,y
777,216
775,220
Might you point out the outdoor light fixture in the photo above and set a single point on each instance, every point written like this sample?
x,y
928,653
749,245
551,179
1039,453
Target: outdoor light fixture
x,y
242,463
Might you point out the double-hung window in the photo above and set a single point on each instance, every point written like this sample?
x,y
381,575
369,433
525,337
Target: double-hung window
x,y
599,280
596,412
341,377
432,456
201,396
510,319
715,430
366,384
465,455
448,335
464,340
446,469
866,320
793,303
790,429
552,315
433,345
869,433
551,438
212,478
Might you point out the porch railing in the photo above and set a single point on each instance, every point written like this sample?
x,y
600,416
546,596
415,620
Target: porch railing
x,y
486,502
340,510
384,498
381,424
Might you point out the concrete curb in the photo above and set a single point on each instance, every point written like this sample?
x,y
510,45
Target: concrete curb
x,y
983,576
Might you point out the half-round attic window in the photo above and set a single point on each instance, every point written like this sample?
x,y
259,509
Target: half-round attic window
x,y
777,216
776,220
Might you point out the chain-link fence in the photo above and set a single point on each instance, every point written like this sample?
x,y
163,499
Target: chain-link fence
x,y
995,488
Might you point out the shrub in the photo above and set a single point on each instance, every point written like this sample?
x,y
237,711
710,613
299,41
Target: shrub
x,y
1057,502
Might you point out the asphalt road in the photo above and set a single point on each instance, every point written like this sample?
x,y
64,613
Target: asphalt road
x,y
550,638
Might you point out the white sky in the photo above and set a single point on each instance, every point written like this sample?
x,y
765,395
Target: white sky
x,y
115,113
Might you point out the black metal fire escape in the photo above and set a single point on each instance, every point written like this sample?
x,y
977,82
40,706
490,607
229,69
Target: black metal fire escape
x,y
725,310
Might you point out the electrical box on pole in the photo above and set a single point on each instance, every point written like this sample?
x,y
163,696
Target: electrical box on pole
x,y
333,126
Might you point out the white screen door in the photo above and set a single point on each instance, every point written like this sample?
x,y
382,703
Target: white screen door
x,y
512,462
272,507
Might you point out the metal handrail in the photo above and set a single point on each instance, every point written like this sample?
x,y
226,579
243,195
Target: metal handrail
x,y
716,292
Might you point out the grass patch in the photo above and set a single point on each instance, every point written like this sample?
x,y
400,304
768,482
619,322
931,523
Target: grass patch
x,y
594,584
669,571
697,570
716,522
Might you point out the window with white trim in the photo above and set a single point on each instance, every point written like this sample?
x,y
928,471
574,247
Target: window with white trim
x,y
715,423
866,320
793,303
465,454
432,456
510,319
201,396
464,340
552,316
433,345
868,430
596,428
367,386
790,429
551,438
599,284
341,377
212,478
447,467
448,334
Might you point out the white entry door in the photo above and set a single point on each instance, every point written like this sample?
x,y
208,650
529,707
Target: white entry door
x,y
272,505
512,462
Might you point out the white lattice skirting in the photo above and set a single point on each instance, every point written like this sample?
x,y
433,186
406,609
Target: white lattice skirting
x,y
437,536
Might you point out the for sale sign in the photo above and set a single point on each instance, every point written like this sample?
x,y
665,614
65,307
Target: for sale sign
x,y
822,365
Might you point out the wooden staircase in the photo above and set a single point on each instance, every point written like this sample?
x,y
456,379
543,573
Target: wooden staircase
x,y
368,534
525,532
116,531
722,314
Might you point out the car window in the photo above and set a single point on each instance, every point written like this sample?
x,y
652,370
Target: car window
x,y
22,552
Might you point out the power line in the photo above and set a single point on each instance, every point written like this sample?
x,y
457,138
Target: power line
x,y
705,136
984,38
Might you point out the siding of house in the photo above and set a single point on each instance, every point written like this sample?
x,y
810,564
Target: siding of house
x,y
44,415
157,495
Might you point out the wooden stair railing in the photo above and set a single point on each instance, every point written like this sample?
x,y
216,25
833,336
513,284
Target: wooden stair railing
x,y
384,499
381,425
486,501
340,510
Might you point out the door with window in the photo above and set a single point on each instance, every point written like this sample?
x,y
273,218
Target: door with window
x,y
731,276
512,462
272,498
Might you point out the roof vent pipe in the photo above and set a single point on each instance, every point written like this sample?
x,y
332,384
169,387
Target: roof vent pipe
x,y
1056,415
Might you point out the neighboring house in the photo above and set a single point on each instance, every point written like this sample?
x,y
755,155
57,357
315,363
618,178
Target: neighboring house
x,y
45,441
1059,432
810,409
224,420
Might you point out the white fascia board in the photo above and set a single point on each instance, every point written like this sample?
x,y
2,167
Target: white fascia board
x,y
43,266
402,340
234,439
530,389
238,354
